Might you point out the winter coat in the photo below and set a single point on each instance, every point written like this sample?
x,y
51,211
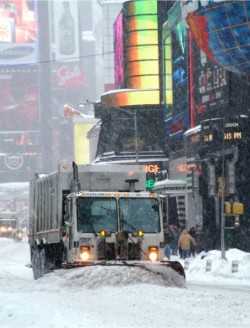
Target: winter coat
x,y
186,240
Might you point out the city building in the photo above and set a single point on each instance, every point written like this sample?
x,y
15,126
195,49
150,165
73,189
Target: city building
x,y
132,113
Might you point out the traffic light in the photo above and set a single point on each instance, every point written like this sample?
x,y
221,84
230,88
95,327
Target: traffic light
x,y
228,208
238,208
150,181
234,208
152,170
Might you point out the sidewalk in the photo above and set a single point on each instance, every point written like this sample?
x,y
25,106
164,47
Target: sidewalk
x,y
210,268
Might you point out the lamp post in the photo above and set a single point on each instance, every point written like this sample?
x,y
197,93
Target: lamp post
x,y
222,235
219,196
136,136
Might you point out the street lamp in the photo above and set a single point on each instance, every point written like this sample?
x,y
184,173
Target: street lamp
x,y
221,181
222,236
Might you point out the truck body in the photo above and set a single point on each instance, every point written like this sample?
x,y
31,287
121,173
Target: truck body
x,y
93,213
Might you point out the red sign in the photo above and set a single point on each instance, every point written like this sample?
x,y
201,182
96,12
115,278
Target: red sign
x,y
187,168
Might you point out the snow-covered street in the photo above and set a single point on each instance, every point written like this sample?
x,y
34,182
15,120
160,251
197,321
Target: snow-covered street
x,y
62,299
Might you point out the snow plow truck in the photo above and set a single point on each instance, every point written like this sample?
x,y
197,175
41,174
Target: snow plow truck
x,y
95,215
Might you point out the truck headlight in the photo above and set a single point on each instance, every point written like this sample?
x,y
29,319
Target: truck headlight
x,y
84,253
138,233
153,253
104,233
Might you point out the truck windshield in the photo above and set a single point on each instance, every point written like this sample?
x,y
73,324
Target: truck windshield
x,y
140,213
95,214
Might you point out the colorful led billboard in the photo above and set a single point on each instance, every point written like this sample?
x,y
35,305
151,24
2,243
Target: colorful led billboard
x,y
137,67
209,85
175,78
141,44
119,51
126,97
18,32
168,74
222,31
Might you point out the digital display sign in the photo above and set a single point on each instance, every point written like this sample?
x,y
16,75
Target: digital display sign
x,y
18,32
180,67
210,89
141,45
120,98
19,97
119,55
175,40
214,131
222,31
168,74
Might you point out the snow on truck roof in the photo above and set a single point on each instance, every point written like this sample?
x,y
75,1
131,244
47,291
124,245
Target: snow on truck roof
x,y
115,194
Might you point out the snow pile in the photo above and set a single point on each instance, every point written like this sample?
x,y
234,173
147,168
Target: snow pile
x,y
211,267
60,299
99,276
15,255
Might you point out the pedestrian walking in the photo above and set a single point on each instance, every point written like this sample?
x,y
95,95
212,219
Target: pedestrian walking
x,y
184,244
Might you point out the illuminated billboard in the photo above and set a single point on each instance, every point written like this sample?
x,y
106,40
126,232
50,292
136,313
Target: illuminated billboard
x,y
119,51
19,97
64,17
175,78
18,32
129,97
141,44
221,29
81,142
210,85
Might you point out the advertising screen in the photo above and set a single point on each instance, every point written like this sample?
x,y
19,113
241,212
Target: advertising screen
x,y
141,44
180,74
19,98
18,32
118,46
210,90
64,18
176,83
175,40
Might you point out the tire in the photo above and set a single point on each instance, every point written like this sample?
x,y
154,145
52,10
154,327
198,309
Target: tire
x,y
36,262
59,255
43,264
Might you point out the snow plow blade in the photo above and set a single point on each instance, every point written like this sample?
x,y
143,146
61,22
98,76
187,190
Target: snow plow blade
x,y
158,268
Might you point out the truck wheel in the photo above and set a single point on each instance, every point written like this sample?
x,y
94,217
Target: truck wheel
x,y
36,262
59,255
43,265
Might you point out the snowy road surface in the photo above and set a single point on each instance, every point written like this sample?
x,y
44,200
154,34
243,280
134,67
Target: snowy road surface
x,y
61,300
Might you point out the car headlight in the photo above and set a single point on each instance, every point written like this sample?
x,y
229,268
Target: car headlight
x,y
84,253
153,253
3,229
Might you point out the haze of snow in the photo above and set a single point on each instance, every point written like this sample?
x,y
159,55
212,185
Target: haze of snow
x,y
98,297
